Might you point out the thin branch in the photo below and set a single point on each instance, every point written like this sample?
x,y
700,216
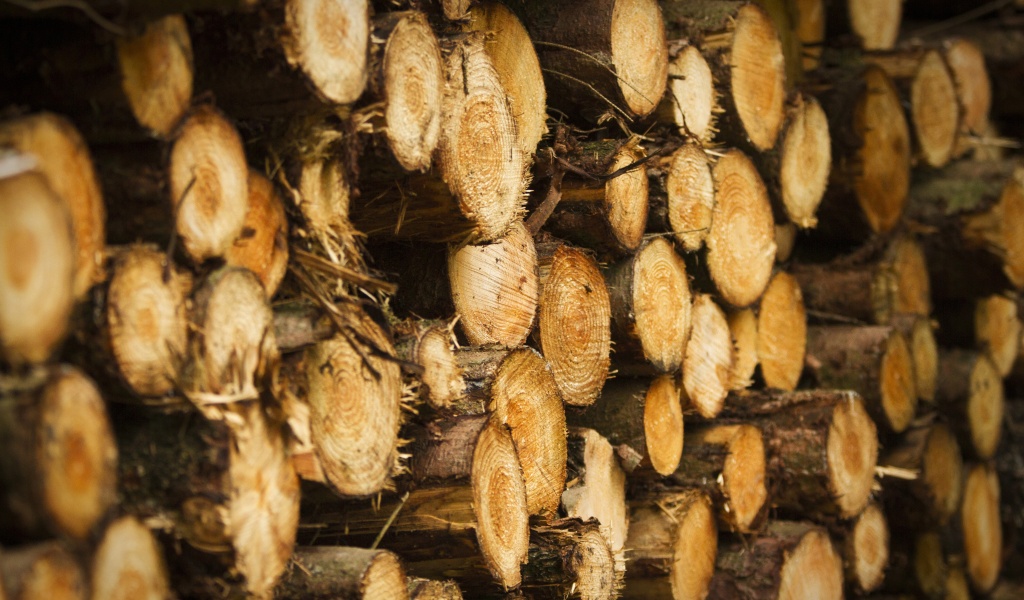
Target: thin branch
x,y
547,206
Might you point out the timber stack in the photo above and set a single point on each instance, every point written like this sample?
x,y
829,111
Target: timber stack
x,y
508,299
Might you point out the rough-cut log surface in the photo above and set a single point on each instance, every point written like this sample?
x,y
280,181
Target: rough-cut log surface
x,y
37,268
58,466
874,361
569,557
650,300
970,391
745,55
728,462
432,347
128,563
875,23
46,570
932,497
866,550
741,242
781,333
333,58
690,102
597,488
743,330
574,321
822,449
63,159
789,560
262,245
690,196
495,288
982,529
601,55
707,367
343,572
643,418
673,541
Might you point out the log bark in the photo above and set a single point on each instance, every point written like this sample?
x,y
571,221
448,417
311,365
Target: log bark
x,y
343,572
128,563
262,245
932,496
782,333
45,570
62,157
707,366
614,59
982,529
58,467
684,197
568,557
574,321
865,550
743,49
38,267
970,391
596,489
874,361
788,560
674,542
690,103
642,418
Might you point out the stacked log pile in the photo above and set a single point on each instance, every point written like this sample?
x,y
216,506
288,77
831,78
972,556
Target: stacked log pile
x,y
638,298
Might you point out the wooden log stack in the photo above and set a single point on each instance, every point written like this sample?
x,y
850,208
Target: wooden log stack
x,y
507,299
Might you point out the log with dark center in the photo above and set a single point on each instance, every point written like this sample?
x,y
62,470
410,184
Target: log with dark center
x,y
970,391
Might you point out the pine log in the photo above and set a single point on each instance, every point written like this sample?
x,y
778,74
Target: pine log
x,y
728,463
982,529
866,550
743,330
973,87
931,454
926,81
518,68
614,59
783,15
650,302
970,391
810,30
924,351
743,49
989,324
785,241
875,24
871,288
690,103
607,210
58,467
596,488
871,149
343,572
685,199
573,321
224,491
431,589
642,418
741,241
262,245
822,449
789,560
673,540
432,347
918,565
45,570
707,366
114,87
874,361
38,265
128,563
781,333
569,557
475,190
63,159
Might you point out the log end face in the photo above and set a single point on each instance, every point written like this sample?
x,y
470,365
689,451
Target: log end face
x,y
942,470
639,53
661,304
328,41
813,569
909,272
983,537
442,375
867,550
743,330
973,87
998,329
744,476
898,391
49,571
707,368
626,197
883,180
594,565
603,495
806,162
384,579
691,90
985,407
156,73
129,564
876,22
782,333
691,196
1008,237
758,72
935,110
852,454
694,551
663,424
262,246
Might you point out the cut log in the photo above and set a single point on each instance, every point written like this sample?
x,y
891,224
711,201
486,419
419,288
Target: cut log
x,y
569,557
874,361
781,333
596,488
743,330
58,467
742,48
970,391
208,181
224,491
690,103
432,347
642,418
650,301
982,529
789,560
262,246
785,241
866,550
431,589
741,241
128,564
822,447
673,541
707,367
924,350
689,197
783,15
477,190
574,321
989,323
810,29
873,289
604,213
515,61
871,149
37,256
62,157
46,570
728,462
615,59
495,288
343,572
973,87
918,565
875,23
932,496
